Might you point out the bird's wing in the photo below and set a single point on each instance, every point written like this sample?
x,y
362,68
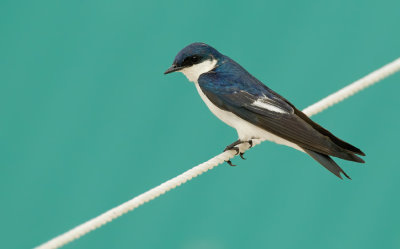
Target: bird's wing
x,y
263,108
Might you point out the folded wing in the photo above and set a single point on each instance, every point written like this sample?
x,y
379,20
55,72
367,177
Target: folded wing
x,y
268,110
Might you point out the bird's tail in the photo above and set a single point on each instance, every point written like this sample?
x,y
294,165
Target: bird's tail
x,y
327,162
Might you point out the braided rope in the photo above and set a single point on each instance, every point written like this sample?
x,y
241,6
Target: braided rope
x,y
153,193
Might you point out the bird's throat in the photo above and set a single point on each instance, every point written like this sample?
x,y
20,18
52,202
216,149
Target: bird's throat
x,y
193,73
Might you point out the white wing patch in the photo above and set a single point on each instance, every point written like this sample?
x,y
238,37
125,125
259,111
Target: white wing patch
x,y
264,105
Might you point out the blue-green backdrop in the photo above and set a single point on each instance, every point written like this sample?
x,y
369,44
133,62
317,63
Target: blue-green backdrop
x,y
88,121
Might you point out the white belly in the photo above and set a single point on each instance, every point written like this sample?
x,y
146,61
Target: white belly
x,y
245,129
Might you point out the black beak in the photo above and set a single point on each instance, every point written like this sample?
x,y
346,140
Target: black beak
x,y
172,69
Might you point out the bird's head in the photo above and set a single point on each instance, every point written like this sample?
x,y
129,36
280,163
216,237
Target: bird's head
x,y
194,60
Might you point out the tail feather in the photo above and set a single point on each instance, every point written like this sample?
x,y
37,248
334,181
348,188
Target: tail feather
x,y
348,156
328,163
344,145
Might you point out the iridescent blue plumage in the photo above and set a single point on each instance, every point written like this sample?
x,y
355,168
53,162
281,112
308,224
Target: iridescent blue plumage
x,y
254,110
201,49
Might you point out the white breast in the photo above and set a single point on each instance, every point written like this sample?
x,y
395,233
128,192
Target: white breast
x,y
245,130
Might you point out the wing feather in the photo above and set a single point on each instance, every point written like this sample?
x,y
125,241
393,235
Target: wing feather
x,y
285,123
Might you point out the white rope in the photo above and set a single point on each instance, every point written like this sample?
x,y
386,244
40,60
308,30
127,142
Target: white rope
x,y
153,193
353,88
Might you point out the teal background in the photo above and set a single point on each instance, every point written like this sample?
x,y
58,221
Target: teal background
x,y
88,121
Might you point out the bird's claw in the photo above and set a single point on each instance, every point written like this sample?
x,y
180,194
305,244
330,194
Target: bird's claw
x,y
236,149
230,163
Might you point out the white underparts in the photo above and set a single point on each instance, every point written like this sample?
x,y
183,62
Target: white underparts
x,y
245,129
193,73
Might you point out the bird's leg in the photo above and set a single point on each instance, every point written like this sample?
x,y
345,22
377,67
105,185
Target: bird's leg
x,y
232,146
250,142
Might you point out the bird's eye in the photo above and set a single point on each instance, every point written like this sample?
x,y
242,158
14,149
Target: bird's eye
x,y
188,61
195,59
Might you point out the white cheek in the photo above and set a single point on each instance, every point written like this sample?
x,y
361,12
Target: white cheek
x,y
193,73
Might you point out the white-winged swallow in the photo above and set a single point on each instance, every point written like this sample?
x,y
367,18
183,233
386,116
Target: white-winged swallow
x,y
254,110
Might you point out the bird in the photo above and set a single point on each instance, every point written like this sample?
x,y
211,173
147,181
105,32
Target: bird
x,y
257,112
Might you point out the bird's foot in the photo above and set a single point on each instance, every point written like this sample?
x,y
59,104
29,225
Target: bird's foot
x,y
250,142
233,147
